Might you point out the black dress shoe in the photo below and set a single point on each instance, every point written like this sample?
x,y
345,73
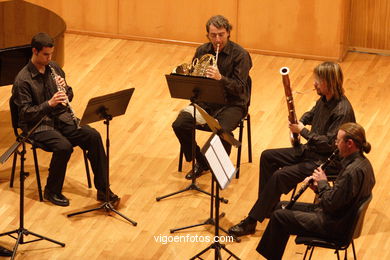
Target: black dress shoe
x,y
198,170
101,196
56,198
245,227
5,252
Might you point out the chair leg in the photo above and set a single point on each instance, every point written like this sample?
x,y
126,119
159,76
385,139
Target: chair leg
x,y
11,181
181,154
87,169
238,164
307,249
37,174
353,249
311,252
248,120
338,255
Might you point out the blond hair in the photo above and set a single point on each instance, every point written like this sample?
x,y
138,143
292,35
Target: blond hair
x,y
332,74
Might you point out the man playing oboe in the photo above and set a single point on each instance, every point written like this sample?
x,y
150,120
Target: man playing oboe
x,y
283,168
36,94
337,204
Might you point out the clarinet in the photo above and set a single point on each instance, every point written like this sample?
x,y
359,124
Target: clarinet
x,y
54,75
311,181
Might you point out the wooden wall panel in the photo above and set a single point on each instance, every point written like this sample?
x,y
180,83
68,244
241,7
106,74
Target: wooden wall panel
x,y
304,28
298,28
175,20
85,15
370,24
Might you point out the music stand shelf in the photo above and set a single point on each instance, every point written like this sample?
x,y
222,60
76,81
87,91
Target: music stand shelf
x,y
195,89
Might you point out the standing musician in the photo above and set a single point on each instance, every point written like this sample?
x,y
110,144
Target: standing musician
x,y
337,205
36,94
283,168
233,65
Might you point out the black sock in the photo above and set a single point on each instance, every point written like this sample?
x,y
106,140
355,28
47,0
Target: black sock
x,y
250,220
201,160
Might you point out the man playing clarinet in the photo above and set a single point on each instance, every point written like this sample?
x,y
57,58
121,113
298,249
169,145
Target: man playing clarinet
x,y
36,94
337,206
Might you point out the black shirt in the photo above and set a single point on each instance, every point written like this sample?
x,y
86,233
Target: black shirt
x,y
234,63
338,204
325,119
31,92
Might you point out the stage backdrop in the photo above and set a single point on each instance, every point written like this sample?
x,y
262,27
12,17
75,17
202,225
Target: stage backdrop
x,y
317,29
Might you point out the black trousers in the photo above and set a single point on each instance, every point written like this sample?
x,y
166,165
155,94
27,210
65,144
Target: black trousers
x,y
280,171
300,220
228,117
61,142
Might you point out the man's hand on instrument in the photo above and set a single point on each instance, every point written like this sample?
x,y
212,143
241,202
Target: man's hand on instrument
x,y
313,184
57,98
213,73
319,175
61,81
296,128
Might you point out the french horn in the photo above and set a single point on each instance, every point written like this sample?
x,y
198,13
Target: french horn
x,y
198,66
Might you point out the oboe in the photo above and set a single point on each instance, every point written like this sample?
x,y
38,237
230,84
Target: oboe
x,y
54,75
310,182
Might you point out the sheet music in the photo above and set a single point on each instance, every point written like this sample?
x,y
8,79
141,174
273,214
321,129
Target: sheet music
x,y
220,162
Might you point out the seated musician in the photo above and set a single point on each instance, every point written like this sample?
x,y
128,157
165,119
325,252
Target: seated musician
x,y
283,168
233,65
36,94
332,215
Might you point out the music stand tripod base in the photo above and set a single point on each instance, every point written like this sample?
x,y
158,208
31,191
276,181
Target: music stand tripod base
x,y
21,231
222,172
106,107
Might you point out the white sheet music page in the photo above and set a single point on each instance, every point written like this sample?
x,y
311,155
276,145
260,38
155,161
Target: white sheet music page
x,y
220,162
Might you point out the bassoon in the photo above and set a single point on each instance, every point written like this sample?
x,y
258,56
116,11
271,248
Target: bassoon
x,y
292,117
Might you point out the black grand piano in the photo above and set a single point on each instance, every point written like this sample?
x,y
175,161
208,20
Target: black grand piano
x,y
19,22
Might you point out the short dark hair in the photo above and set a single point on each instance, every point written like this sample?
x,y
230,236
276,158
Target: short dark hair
x,y
219,21
41,40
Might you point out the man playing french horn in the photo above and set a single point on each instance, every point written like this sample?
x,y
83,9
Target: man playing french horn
x,y
39,92
232,69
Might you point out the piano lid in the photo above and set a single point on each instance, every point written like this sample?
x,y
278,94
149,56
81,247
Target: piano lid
x,y
19,22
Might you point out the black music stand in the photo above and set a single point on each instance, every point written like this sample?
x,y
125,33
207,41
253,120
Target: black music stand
x,y
222,171
21,231
196,89
106,107
217,130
